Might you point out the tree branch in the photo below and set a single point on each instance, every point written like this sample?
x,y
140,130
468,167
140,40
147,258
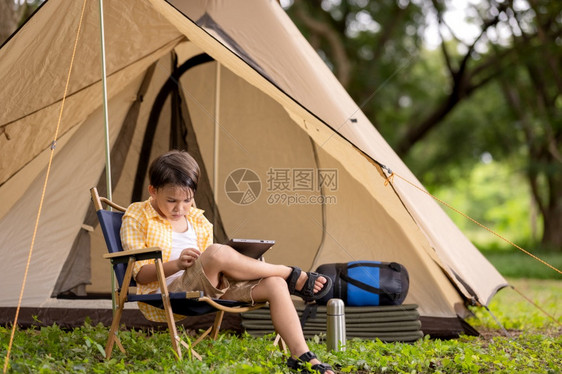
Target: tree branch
x,y
461,87
514,100
387,30
8,19
341,61
446,55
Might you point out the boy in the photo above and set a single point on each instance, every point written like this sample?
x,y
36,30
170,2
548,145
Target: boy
x,y
192,262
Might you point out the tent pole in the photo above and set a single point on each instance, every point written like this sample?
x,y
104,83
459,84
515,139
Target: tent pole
x,y
216,144
106,127
105,115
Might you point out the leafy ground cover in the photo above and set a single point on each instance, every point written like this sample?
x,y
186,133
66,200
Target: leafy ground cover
x,y
534,346
516,264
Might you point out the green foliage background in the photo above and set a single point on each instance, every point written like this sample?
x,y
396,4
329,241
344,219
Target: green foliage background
x,y
495,96
477,159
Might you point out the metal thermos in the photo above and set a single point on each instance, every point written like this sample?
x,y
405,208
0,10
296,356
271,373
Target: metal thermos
x,y
335,325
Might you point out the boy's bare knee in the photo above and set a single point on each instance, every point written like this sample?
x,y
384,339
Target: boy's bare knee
x,y
275,284
274,290
215,254
212,249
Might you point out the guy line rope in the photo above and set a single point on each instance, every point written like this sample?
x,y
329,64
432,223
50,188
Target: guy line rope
x,y
53,146
390,180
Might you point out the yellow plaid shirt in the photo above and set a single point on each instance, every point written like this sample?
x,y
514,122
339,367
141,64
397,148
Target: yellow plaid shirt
x,y
143,227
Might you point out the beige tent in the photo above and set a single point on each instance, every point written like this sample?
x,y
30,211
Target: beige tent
x,y
286,153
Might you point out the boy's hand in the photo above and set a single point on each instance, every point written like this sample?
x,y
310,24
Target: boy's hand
x,y
187,258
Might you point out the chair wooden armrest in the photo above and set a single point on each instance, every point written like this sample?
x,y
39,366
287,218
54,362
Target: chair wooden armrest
x,y
138,254
98,200
194,294
190,303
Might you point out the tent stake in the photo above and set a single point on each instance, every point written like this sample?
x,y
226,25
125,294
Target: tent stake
x,y
106,127
498,322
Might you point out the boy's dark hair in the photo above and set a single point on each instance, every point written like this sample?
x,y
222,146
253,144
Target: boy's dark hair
x,y
176,168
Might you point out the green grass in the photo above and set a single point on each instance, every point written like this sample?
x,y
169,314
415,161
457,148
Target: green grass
x,y
516,264
51,350
517,314
534,346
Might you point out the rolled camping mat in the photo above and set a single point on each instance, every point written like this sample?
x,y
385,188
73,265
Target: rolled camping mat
x,y
407,336
376,327
350,312
387,323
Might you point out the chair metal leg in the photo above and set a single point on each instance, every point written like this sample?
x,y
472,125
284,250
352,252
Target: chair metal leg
x,y
213,331
281,343
112,338
202,336
193,352
168,308
118,342
217,324
120,296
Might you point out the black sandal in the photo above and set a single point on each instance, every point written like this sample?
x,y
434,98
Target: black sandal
x,y
298,364
307,290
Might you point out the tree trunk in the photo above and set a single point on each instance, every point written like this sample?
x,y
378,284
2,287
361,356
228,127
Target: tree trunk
x,y
552,236
8,19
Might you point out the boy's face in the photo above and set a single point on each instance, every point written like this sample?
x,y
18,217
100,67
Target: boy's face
x,y
171,202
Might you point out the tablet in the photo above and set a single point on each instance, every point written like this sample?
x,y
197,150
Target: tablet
x,y
254,248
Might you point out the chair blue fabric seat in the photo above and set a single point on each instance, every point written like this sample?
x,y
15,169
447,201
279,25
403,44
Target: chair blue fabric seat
x,y
193,303
183,305
110,222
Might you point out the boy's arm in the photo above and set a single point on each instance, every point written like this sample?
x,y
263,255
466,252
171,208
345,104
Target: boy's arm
x,y
206,229
186,259
133,236
147,272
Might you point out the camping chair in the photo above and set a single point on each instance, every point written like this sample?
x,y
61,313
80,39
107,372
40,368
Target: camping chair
x,y
192,303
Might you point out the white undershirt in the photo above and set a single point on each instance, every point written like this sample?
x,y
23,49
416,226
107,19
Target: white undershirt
x,y
181,241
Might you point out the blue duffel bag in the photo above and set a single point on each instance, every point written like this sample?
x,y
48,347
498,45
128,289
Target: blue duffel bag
x,y
366,283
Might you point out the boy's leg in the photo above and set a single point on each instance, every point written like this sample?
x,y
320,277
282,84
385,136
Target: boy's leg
x,y
220,259
283,314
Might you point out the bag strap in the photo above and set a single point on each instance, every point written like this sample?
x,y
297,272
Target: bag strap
x,y
364,286
359,284
392,265
308,312
340,290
